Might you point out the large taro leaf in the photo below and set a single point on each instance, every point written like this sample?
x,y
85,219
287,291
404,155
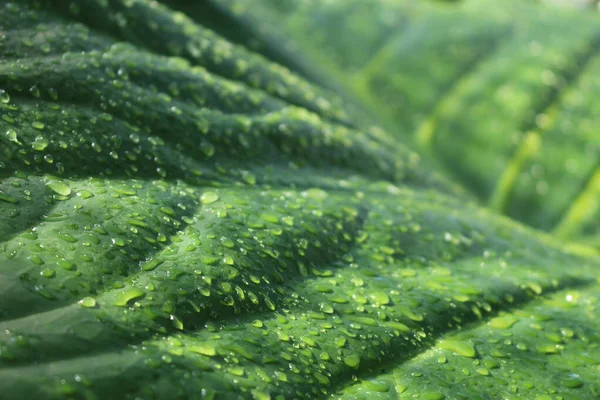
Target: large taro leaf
x,y
182,218
499,94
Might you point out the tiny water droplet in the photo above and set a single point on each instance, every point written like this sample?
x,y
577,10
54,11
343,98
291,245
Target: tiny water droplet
x,y
35,91
207,148
53,93
177,323
249,178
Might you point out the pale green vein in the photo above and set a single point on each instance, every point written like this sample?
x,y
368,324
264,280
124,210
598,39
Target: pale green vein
x,y
450,101
585,207
531,142
448,105
527,149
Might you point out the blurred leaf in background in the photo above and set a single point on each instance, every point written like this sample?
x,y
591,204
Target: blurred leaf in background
x,y
287,199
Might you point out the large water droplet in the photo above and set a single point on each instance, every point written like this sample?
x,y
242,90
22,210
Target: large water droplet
x,y
129,295
461,348
204,349
59,187
209,197
11,135
352,360
572,381
87,302
40,143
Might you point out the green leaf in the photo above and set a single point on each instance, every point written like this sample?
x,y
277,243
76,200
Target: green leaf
x,y
181,217
498,94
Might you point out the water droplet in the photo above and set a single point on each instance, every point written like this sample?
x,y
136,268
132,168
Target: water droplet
x,y
379,298
504,322
548,348
37,260
207,148
352,360
48,273
260,395
53,93
398,326
35,91
227,242
7,198
257,323
269,303
380,386
11,135
309,341
88,302
40,143
66,265
204,349
59,187
288,220
326,308
4,97
129,295
461,348
66,237
572,381
209,197
249,178
322,379
237,371
432,396
176,322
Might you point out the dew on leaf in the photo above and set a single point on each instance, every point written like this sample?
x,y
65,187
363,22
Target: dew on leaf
x,y
572,381
59,187
9,199
204,349
11,135
4,97
503,322
352,360
48,273
128,295
461,348
38,125
40,143
87,302
209,197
